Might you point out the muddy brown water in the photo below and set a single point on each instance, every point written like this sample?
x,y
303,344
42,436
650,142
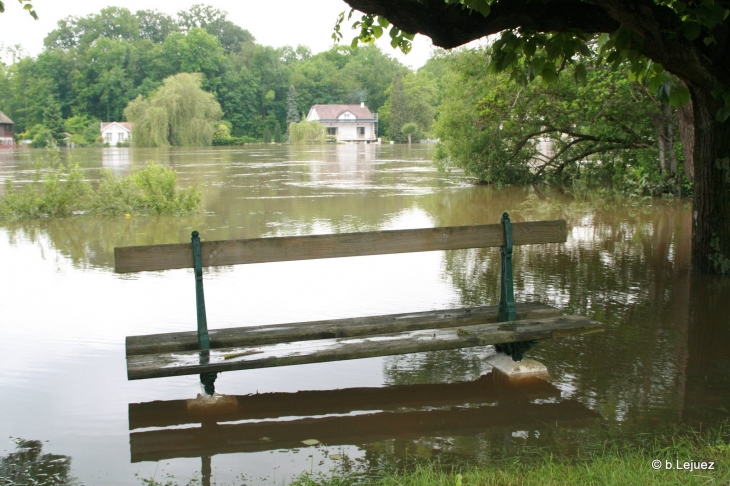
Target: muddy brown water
x,y
662,359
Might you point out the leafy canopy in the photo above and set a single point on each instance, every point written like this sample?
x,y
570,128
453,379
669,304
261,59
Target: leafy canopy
x,y
526,54
504,133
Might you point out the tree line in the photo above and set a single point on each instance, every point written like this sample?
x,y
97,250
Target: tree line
x,y
92,68
592,124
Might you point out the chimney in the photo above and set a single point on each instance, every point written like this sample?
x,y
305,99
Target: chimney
x,y
362,104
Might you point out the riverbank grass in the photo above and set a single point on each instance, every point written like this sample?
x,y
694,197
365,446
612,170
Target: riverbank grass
x,y
616,462
611,460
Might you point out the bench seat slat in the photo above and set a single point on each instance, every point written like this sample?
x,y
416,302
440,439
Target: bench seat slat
x,y
302,352
334,328
280,249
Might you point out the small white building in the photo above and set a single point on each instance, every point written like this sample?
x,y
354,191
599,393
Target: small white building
x,y
349,123
116,132
7,134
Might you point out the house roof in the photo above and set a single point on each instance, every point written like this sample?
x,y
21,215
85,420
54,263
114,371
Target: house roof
x,y
126,125
4,119
331,112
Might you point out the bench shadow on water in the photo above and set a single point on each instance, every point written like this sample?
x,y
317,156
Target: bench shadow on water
x,y
662,360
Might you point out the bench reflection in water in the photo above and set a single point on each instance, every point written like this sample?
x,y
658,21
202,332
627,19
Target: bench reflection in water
x,y
354,416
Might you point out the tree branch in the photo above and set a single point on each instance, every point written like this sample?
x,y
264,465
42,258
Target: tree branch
x,y
657,27
451,25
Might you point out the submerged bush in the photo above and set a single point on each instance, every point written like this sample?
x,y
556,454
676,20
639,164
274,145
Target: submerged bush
x,y
152,190
55,194
59,191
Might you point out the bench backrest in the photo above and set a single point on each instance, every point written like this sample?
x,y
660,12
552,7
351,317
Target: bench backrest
x,y
279,249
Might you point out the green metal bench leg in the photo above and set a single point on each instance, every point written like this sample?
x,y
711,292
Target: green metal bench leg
x,y
507,310
207,379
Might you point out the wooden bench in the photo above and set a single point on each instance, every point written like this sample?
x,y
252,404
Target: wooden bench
x,y
513,328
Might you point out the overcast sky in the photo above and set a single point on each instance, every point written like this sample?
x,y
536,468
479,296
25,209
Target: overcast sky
x,y
275,23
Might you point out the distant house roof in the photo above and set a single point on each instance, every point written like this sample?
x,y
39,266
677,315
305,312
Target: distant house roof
x,y
125,125
332,112
4,119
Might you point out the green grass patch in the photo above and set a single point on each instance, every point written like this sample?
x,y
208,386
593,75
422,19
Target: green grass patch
x,y
589,460
611,461
58,191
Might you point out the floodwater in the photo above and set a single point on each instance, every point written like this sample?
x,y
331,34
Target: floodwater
x,y
67,407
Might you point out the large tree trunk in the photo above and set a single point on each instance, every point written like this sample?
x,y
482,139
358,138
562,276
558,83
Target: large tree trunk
x,y
711,205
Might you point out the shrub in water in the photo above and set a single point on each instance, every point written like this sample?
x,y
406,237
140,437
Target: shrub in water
x,y
59,191
56,194
152,190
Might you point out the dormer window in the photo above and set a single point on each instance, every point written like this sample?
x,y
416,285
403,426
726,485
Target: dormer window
x,y
346,116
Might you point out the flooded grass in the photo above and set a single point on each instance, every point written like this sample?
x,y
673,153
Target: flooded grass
x,y
59,190
605,462
679,454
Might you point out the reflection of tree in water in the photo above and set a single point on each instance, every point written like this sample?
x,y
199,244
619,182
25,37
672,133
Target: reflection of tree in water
x,y
628,268
89,241
29,466
436,366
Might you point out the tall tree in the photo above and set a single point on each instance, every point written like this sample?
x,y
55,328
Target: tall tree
x,y
216,23
689,39
155,25
52,120
179,114
292,112
398,114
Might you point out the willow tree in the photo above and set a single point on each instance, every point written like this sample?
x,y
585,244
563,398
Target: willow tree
x,y
180,113
307,132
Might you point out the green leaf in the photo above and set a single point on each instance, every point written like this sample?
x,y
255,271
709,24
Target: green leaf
x,y
723,114
383,22
354,42
692,30
603,39
679,96
580,74
530,48
377,31
538,63
549,76
655,82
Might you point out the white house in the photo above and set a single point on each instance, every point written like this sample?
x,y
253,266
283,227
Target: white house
x,y
7,135
349,123
115,132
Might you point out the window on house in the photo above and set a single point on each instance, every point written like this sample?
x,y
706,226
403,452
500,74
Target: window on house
x,y
108,136
121,137
361,132
332,131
